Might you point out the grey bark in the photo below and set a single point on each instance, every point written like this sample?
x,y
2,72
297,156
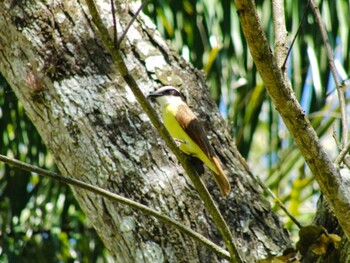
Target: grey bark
x,y
89,119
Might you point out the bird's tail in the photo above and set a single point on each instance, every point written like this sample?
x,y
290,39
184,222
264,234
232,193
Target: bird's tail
x,y
220,177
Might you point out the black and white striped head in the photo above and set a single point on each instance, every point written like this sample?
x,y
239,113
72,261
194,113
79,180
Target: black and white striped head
x,y
165,95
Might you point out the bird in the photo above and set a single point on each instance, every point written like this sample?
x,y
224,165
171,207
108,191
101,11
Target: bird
x,y
188,132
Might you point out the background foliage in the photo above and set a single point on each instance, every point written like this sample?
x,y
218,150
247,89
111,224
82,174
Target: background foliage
x,y
208,34
40,221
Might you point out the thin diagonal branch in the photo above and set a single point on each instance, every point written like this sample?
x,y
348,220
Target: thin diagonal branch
x,y
200,187
334,72
342,154
115,31
266,188
295,36
131,21
115,198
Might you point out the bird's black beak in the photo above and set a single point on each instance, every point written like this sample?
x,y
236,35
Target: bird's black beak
x,y
152,96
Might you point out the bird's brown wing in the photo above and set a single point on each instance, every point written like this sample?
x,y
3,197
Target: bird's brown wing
x,y
192,126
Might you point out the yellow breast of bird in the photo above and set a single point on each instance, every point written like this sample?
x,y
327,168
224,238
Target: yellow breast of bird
x,y
188,146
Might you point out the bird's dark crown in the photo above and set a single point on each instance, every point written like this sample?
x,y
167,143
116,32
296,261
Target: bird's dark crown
x,y
166,91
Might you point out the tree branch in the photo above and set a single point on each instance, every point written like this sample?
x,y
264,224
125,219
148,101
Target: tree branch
x,y
200,187
116,198
327,175
280,31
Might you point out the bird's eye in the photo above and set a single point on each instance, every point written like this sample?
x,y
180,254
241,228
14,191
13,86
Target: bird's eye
x,y
175,93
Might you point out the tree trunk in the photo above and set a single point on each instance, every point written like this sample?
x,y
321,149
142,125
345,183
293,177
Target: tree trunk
x,y
89,119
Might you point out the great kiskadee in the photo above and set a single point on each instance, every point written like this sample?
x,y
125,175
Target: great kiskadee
x,y
186,129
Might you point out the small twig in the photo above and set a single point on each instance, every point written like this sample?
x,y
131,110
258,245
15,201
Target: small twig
x,y
345,84
296,35
342,154
131,21
334,73
335,137
277,200
114,24
115,198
